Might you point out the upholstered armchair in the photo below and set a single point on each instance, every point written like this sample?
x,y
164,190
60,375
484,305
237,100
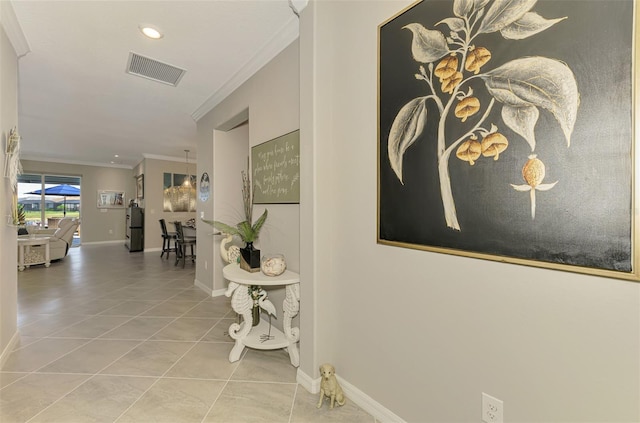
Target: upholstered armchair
x,y
60,240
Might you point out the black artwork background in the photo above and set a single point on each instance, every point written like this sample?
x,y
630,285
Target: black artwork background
x,y
585,219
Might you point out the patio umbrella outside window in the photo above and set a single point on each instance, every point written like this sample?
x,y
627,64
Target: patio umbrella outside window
x,y
63,190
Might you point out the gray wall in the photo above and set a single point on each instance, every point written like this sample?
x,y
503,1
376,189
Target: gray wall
x,y
270,101
423,333
8,234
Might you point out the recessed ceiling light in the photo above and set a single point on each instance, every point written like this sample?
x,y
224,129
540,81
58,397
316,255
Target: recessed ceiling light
x,y
151,32
115,155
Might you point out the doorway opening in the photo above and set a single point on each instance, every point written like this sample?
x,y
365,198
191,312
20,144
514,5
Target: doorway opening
x,y
47,199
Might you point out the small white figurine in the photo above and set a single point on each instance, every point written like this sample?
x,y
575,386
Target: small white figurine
x,y
329,386
232,254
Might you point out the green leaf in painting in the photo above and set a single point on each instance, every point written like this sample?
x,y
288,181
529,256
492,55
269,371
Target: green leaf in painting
x,y
530,24
522,120
504,12
454,24
406,129
428,45
462,7
537,81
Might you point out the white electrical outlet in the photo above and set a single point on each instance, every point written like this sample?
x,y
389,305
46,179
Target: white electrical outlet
x,y
201,215
492,409
110,231
206,265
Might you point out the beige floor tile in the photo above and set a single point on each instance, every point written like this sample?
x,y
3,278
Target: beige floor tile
x,y
151,358
91,327
138,328
220,332
38,354
170,309
186,329
50,324
127,293
174,400
25,398
130,308
100,399
158,294
305,411
190,294
211,309
91,358
96,306
266,366
23,341
251,402
25,319
8,378
205,360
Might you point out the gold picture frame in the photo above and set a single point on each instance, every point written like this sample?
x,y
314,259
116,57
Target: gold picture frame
x,y
473,162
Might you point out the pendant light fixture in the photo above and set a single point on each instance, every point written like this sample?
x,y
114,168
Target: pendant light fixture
x,y
187,178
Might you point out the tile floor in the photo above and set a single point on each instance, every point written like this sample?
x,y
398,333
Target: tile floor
x,y
109,336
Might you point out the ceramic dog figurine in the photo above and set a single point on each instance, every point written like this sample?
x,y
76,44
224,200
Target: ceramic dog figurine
x,y
329,386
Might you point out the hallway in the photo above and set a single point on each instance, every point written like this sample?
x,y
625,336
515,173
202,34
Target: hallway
x,y
109,336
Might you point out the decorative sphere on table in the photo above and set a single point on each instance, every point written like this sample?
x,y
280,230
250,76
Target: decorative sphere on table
x,y
273,264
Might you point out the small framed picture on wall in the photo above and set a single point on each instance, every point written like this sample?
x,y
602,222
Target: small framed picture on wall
x,y
140,187
110,199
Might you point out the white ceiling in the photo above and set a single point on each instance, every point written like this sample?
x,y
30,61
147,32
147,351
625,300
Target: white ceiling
x,y
76,103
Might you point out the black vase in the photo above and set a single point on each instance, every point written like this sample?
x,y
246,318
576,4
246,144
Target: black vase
x,y
255,314
250,258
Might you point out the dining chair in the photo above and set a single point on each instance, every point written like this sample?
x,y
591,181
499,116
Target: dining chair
x,y
166,239
182,243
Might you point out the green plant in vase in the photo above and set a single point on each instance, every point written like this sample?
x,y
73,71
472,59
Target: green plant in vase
x,y
247,230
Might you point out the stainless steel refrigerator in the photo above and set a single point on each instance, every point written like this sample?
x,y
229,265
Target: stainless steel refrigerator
x,y
135,229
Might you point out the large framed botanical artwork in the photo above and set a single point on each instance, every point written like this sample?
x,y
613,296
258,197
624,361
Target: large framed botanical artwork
x,y
506,132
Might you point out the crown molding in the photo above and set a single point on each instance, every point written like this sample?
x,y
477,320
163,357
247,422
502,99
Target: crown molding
x,y
284,37
27,156
298,6
168,158
13,29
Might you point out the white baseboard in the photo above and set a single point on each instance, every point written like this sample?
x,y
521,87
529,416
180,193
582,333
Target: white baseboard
x,y
7,351
203,287
119,241
211,292
307,382
362,400
153,250
218,293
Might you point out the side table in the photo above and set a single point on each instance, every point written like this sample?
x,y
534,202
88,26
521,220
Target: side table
x,y
24,247
247,336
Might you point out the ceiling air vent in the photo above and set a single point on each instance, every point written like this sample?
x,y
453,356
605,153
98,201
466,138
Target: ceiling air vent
x,y
154,70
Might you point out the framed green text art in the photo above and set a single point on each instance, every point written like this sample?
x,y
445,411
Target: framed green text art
x,y
505,132
276,170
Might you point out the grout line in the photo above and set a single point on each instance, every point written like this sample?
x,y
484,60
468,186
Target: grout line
x,y
293,402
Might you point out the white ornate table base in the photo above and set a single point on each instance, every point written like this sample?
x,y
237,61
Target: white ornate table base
x,y
253,337
25,256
